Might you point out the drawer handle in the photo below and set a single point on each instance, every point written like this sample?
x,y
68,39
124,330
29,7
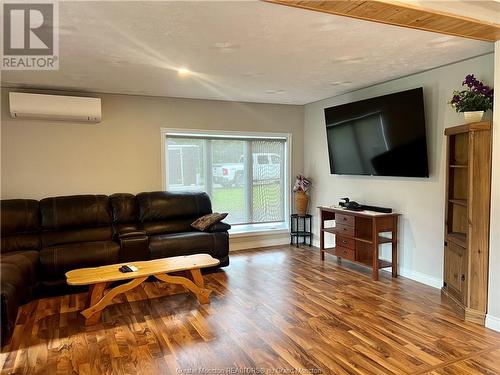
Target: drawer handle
x,y
345,219
344,241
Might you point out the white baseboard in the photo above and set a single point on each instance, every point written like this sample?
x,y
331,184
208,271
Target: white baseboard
x,y
253,242
411,274
492,322
421,277
315,241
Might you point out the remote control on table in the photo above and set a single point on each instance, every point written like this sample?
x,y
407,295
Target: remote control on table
x,y
128,268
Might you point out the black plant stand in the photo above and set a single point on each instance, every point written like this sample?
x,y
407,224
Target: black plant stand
x,y
297,230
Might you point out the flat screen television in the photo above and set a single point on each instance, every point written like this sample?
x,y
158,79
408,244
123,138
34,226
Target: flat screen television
x,y
381,136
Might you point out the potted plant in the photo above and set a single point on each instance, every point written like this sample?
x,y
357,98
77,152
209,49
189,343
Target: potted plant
x,y
300,188
473,101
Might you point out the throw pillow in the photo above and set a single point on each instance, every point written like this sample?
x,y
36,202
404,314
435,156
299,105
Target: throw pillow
x,y
207,221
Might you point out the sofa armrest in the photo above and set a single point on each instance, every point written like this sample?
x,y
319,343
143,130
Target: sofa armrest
x,y
11,295
134,233
134,246
219,227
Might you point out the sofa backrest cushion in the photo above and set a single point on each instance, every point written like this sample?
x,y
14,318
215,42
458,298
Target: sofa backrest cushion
x,y
166,212
125,212
76,211
20,225
19,216
124,208
77,218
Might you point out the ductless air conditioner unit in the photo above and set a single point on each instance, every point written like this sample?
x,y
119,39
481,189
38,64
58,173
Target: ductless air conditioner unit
x,y
54,107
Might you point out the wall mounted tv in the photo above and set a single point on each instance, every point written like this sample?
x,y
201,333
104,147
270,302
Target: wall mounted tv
x,y
381,136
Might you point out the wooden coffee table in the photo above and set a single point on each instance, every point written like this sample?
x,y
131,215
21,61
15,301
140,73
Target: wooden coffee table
x,y
99,277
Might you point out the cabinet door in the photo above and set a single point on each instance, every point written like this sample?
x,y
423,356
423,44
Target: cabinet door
x,y
455,270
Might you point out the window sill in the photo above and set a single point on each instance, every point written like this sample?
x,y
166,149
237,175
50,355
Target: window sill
x,y
251,230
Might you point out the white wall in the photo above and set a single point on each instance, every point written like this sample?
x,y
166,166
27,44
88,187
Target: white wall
x,y
493,317
122,153
420,201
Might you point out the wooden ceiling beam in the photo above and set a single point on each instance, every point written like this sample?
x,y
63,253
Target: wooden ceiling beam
x,y
404,15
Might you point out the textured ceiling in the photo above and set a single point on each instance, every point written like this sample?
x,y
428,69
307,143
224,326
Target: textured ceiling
x,y
242,50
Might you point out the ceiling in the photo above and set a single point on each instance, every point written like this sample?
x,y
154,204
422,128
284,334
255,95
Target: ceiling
x,y
240,50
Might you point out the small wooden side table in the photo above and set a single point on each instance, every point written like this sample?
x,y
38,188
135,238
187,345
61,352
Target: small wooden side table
x,y
297,230
358,235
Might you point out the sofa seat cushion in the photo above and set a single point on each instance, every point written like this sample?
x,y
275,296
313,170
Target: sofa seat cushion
x,y
25,264
168,226
187,243
76,235
57,260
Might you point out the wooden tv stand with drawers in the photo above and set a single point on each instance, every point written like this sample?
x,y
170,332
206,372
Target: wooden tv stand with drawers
x,y
358,236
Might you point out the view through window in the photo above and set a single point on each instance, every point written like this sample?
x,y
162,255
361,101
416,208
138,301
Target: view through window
x,y
244,177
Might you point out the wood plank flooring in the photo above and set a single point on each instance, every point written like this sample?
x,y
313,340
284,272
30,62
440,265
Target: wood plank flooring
x,y
277,309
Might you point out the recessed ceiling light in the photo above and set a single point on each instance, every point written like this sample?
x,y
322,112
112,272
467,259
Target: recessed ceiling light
x,y
183,72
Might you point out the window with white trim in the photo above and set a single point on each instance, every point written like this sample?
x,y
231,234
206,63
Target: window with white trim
x,y
244,175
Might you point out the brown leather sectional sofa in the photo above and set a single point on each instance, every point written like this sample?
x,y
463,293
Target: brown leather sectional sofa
x,y
42,240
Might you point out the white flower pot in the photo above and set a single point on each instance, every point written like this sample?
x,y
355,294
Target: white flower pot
x,y
473,116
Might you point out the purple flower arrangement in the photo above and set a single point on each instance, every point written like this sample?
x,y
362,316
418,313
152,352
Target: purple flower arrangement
x,y
477,96
302,184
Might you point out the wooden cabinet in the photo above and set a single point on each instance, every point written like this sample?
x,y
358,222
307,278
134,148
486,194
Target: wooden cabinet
x,y
455,269
466,247
358,235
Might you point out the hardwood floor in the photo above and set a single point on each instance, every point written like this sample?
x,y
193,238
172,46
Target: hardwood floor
x,y
276,308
